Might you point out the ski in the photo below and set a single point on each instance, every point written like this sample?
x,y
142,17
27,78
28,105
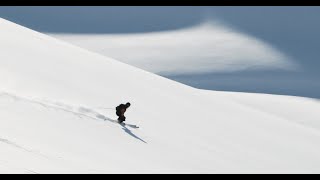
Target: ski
x,y
129,125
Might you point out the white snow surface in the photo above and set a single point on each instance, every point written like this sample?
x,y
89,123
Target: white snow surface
x,y
51,121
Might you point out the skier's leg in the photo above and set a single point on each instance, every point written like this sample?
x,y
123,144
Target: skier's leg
x,y
121,119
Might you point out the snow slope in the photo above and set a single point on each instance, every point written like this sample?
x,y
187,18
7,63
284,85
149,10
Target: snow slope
x,y
51,121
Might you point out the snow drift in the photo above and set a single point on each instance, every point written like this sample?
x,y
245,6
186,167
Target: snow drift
x,y
51,120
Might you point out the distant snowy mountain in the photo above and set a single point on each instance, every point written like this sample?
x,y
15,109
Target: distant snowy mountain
x,y
57,116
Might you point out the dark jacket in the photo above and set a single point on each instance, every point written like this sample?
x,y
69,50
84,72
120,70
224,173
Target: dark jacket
x,y
121,109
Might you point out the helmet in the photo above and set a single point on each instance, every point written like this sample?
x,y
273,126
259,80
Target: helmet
x,y
128,104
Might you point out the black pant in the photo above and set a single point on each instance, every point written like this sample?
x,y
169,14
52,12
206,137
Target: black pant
x,y
121,117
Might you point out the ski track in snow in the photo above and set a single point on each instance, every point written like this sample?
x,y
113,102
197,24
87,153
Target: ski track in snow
x,y
78,111
8,142
15,145
19,169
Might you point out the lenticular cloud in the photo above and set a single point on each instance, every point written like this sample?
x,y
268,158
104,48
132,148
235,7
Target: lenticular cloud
x,y
208,47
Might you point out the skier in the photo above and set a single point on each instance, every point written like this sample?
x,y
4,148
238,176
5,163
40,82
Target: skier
x,y
121,109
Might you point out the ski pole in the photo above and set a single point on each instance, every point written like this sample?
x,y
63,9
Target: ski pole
x,y
105,108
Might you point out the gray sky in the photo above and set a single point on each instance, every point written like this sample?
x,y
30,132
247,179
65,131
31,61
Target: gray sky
x,y
293,30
